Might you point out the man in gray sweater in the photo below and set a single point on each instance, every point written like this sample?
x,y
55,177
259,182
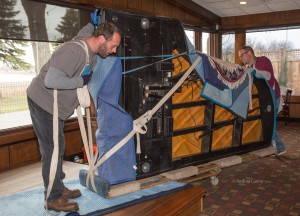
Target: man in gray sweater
x,y
63,72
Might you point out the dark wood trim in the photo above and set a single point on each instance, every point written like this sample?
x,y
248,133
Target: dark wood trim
x,y
240,42
198,40
196,9
19,146
190,14
271,20
164,8
20,134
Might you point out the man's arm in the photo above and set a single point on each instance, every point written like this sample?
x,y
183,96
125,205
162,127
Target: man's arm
x,y
57,79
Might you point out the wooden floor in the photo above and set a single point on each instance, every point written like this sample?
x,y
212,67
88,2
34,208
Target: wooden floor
x,y
30,176
186,202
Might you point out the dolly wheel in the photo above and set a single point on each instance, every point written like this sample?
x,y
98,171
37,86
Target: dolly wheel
x,y
214,180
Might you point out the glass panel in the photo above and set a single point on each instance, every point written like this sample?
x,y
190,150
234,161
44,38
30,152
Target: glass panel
x,y
228,43
26,29
37,21
205,42
282,47
191,36
15,78
16,73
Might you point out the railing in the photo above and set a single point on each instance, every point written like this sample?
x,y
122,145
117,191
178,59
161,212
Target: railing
x,y
13,96
283,61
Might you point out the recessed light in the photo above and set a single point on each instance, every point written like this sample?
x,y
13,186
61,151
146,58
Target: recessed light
x,y
243,2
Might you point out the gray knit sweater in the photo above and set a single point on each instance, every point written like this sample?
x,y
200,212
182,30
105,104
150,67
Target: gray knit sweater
x,y
62,72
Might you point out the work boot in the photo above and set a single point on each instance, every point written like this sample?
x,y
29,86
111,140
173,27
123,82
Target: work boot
x,y
71,194
63,204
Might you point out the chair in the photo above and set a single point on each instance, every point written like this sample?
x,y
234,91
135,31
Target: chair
x,y
286,106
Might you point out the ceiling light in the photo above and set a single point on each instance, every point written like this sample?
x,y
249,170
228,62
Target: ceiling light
x,y
243,2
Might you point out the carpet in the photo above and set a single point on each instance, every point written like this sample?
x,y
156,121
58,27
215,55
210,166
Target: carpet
x,y
30,202
268,186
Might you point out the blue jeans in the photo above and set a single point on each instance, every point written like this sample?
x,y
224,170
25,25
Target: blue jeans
x,y
280,146
42,122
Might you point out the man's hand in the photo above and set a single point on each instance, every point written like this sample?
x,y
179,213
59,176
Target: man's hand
x,y
86,78
86,74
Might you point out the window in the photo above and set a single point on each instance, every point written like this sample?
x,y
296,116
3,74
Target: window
x,y
228,44
282,47
205,40
191,36
16,77
26,44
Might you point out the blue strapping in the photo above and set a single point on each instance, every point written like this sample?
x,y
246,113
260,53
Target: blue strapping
x,y
159,56
139,57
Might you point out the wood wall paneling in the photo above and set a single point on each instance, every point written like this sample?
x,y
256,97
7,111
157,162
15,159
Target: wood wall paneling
x,y
180,12
228,23
105,4
108,3
120,3
160,7
198,40
195,21
73,143
189,13
244,21
260,19
240,42
148,5
195,9
170,10
265,20
293,17
10,136
276,18
24,153
135,4
4,158
19,146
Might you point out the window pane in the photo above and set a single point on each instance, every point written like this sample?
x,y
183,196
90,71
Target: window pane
x,y
191,36
228,43
282,47
38,21
26,29
16,74
205,42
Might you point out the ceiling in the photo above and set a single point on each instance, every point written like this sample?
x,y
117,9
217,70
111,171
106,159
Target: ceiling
x,y
226,8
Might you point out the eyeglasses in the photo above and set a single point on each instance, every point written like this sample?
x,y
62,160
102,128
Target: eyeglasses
x,y
241,56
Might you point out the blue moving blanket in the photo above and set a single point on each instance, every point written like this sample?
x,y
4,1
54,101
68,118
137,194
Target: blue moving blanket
x,y
235,99
114,123
232,94
31,202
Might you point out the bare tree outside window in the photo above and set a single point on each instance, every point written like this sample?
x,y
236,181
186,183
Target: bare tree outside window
x,y
281,47
29,33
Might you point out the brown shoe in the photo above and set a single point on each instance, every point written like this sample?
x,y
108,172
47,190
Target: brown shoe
x,y
62,204
71,194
